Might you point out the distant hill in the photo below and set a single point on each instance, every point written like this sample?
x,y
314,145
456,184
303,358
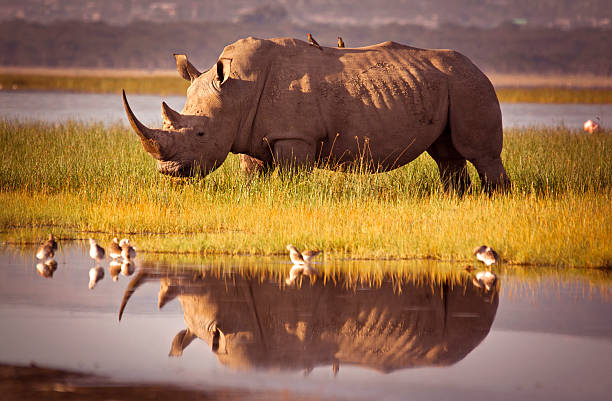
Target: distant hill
x,y
507,48
429,13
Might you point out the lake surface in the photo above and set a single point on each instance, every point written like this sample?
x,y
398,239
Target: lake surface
x,y
62,106
539,335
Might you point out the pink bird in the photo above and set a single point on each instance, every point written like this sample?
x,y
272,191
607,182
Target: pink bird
x,y
591,126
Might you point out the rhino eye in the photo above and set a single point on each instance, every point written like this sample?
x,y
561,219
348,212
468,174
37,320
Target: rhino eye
x,y
200,133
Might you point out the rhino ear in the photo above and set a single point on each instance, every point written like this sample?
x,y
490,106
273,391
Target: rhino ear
x,y
185,69
223,70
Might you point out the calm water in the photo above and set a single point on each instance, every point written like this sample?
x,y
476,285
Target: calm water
x,y
430,337
62,106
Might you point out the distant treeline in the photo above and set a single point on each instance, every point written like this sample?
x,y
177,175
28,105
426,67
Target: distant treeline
x,y
508,48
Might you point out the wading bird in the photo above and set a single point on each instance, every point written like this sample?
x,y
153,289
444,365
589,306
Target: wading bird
x,y
300,258
114,249
486,255
127,251
47,249
591,126
96,252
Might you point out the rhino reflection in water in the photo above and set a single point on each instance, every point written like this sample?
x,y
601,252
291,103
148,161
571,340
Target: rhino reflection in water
x,y
253,324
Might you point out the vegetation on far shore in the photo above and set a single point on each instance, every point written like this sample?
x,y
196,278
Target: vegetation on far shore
x,y
74,179
163,85
174,85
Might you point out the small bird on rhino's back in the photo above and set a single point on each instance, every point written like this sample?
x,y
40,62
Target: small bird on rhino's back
x,y
313,42
486,255
340,42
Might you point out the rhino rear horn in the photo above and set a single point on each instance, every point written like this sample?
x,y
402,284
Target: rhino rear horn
x,y
170,116
185,69
182,339
154,141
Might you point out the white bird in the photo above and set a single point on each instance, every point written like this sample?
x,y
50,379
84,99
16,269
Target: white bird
x,y
96,252
45,251
486,255
114,249
295,255
299,258
127,251
486,279
591,126
309,255
95,274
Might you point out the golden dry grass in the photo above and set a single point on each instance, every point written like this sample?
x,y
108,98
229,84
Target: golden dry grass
x,y
53,179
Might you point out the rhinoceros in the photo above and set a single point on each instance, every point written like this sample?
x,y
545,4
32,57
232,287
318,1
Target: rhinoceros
x,y
284,102
253,322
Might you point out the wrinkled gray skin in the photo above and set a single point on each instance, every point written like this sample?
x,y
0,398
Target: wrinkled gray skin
x,y
284,102
250,322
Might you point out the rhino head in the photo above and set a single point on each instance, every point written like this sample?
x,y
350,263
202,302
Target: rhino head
x,y
197,140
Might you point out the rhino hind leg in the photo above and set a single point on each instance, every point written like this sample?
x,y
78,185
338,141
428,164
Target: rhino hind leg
x,y
492,174
452,166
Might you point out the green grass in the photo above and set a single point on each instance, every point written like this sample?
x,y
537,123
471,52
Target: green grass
x,y
74,179
173,85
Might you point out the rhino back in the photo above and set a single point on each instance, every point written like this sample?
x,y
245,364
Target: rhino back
x,y
396,96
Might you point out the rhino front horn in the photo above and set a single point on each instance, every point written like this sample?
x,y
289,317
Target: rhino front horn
x,y
152,140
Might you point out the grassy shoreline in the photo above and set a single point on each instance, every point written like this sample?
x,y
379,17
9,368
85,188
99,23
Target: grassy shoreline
x,y
53,178
173,85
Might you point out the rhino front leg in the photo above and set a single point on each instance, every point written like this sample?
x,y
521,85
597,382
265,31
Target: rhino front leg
x,y
294,155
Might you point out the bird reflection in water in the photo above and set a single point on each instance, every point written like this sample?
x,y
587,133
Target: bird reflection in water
x,y
45,253
254,322
47,268
114,268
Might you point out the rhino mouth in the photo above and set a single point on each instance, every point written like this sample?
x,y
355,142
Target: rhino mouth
x,y
175,169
